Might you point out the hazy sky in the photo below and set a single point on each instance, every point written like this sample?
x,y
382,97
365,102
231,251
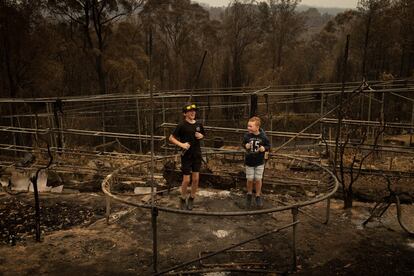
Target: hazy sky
x,y
318,3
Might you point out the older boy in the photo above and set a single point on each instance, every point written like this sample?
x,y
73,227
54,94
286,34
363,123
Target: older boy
x,y
256,143
187,135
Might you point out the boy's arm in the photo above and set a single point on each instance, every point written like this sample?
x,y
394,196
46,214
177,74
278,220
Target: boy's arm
x,y
265,144
266,141
245,143
176,142
200,135
202,131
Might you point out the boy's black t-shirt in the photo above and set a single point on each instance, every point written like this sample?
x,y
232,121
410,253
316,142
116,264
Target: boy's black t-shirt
x,y
254,157
185,132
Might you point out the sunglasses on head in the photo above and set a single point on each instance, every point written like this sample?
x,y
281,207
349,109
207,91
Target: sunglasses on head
x,y
191,106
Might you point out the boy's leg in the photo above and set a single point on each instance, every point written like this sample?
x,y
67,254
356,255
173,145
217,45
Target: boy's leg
x,y
194,186
184,185
249,195
258,184
250,178
259,199
258,176
249,185
194,183
186,170
195,176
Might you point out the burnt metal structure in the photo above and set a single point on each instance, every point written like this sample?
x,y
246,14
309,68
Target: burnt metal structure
x,y
71,122
142,119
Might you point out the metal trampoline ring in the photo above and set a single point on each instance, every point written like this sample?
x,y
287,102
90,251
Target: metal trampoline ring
x,y
107,181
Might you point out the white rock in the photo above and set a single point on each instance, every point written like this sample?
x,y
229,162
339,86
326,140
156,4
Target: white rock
x,y
205,193
143,190
218,273
57,189
20,182
4,182
221,233
224,193
41,183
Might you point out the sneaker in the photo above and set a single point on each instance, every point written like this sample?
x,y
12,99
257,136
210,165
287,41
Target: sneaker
x,y
249,201
259,201
182,203
190,203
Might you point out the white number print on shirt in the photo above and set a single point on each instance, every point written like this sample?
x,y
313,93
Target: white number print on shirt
x,y
254,145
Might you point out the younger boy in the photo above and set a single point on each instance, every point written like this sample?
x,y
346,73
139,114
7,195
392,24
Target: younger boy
x,y
187,135
255,143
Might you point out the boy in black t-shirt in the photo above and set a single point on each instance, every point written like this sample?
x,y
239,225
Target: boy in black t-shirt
x,y
256,143
187,135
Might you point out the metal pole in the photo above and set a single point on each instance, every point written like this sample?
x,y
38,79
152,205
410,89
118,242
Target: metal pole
x,y
51,126
369,109
37,206
108,208
103,126
328,209
12,125
62,136
163,120
382,116
154,214
361,99
154,210
271,128
295,219
285,120
322,102
138,125
412,124
36,128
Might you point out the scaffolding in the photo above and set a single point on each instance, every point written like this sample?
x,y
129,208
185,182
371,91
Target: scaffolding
x,y
71,122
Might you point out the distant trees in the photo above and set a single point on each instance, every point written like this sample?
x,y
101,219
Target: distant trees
x,y
284,27
404,23
241,30
177,29
24,50
94,19
56,47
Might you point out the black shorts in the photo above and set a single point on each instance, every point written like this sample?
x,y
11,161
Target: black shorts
x,y
190,163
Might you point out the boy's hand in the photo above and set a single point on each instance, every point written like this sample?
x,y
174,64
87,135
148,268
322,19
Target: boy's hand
x,y
185,145
262,149
199,136
248,146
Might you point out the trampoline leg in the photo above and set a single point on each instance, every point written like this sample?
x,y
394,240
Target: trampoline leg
x,y
108,208
295,212
328,210
154,214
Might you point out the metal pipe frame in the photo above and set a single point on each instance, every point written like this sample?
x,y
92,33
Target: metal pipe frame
x,y
282,90
79,132
367,123
385,148
332,188
101,154
242,130
293,225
